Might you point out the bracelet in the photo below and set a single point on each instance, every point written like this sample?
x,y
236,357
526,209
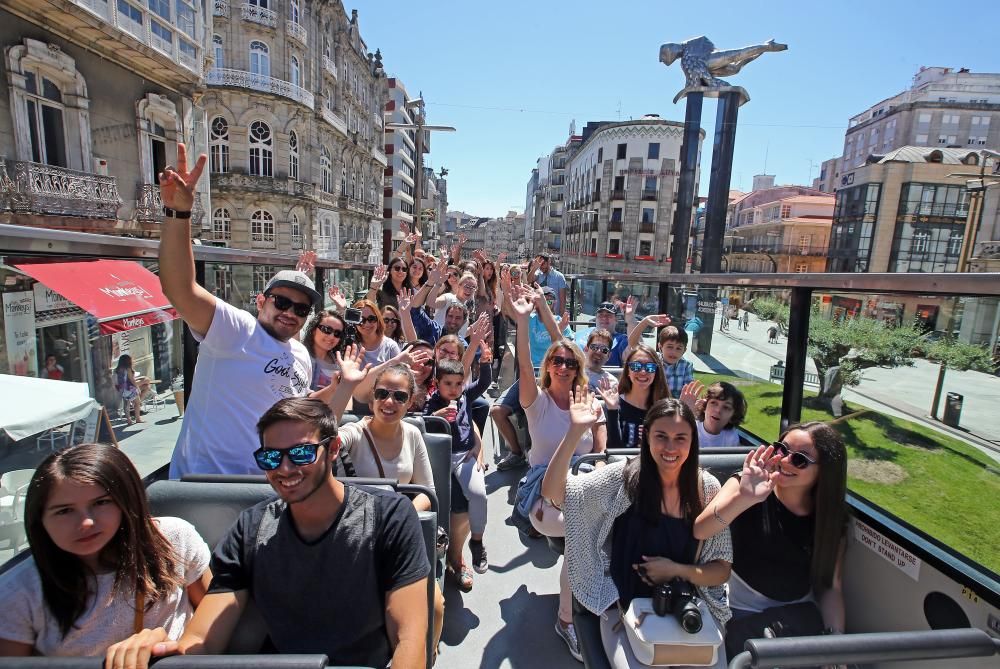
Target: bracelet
x,y
715,513
170,213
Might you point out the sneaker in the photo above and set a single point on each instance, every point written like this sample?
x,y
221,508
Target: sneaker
x,y
568,633
511,461
479,561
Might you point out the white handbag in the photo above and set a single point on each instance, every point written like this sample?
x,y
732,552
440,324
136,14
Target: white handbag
x,y
660,641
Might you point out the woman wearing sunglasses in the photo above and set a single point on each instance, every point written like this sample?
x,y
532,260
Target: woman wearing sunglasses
x,y
393,326
324,338
787,515
642,384
371,332
387,282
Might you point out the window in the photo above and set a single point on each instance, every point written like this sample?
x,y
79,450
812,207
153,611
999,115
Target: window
x,y
326,170
616,215
648,214
955,242
185,17
130,17
261,275
263,4
219,50
645,247
223,283
649,184
786,211
262,226
293,11
921,139
219,145
221,224
622,148
296,229
981,120
924,117
163,38
600,155
979,140
293,155
654,150
801,268
614,246
293,71
919,242
950,119
947,139
45,120
160,7
261,150
260,59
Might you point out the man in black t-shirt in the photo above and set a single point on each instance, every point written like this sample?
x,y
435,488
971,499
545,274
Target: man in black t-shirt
x,y
332,568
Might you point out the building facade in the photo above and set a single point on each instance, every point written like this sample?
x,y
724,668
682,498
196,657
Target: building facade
x,y
294,107
401,174
788,234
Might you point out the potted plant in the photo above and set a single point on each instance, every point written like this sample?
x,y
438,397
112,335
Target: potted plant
x,y
177,386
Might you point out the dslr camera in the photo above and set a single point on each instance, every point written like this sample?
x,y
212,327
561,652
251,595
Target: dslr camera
x,y
352,317
679,599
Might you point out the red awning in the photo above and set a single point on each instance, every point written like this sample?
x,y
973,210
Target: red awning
x,y
120,294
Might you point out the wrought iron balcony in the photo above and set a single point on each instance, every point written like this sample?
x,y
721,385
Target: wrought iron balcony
x,y
649,194
618,194
296,241
33,188
296,32
614,226
329,66
647,227
262,240
221,76
221,8
219,235
148,205
781,249
265,17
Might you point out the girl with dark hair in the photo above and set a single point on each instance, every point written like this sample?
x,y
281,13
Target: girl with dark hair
x,y
101,568
130,389
629,525
719,412
787,515
416,275
324,338
641,385
393,326
386,283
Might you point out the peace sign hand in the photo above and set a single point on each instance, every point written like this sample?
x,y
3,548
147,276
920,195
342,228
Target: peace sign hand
x,y
177,184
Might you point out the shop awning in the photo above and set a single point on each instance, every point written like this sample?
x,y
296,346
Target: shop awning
x,y
120,294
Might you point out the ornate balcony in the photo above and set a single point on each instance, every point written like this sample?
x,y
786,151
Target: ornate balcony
x,y
265,17
296,32
221,76
262,240
33,188
148,205
379,156
221,8
296,242
329,66
334,120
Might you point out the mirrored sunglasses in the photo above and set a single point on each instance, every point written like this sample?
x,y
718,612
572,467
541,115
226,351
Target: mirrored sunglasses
x,y
648,367
300,455
598,348
798,459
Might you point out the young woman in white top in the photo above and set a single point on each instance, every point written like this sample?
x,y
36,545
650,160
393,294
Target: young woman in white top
x,y
96,554
547,409
371,332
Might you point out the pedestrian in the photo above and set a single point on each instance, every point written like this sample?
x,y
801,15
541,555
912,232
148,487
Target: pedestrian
x,y
746,320
772,335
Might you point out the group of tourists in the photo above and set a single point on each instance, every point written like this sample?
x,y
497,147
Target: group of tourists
x,y
105,577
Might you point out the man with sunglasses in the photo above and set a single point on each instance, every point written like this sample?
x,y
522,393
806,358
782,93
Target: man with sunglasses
x,y
245,364
606,318
597,351
358,552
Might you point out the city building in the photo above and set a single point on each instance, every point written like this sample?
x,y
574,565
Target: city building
x,y
294,106
401,175
829,176
621,188
529,208
781,234
475,235
434,205
506,235
99,96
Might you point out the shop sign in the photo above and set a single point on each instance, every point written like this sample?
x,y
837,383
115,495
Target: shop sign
x,y
47,299
19,329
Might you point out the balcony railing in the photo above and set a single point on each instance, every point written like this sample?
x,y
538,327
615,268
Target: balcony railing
x,y
781,249
647,226
334,120
221,76
221,8
614,226
148,205
265,17
33,188
329,66
296,32
649,194
618,194
597,196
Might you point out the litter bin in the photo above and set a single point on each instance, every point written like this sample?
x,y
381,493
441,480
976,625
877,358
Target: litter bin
x,y
953,409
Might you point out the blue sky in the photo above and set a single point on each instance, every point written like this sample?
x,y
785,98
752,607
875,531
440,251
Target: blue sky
x,y
511,76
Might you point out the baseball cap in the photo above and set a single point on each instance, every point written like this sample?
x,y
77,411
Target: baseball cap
x,y
548,291
609,307
290,278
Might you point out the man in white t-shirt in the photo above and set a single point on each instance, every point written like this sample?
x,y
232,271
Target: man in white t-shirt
x,y
245,364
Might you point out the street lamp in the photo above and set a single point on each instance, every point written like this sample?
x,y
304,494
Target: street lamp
x,y
417,106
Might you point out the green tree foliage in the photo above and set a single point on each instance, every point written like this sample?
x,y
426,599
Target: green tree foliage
x,y
961,356
768,309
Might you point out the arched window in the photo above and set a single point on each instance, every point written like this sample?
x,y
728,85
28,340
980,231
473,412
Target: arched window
x,y
262,226
326,169
294,71
261,150
45,119
219,145
293,11
326,47
293,155
221,228
328,98
296,231
343,179
219,51
260,59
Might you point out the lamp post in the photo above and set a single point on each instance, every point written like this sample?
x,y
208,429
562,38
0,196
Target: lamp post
x,y
419,125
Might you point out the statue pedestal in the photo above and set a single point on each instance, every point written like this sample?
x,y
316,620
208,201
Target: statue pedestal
x,y
712,92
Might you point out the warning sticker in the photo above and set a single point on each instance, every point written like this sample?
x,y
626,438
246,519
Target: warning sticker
x,y
893,553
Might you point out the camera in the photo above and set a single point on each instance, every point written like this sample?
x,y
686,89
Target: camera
x,y
352,317
678,598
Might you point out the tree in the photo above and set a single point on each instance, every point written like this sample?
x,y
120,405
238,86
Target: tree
x,y
960,356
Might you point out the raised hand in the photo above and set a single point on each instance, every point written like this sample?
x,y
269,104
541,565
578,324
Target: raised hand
x,y
630,304
521,305
607,388
759,470
414,359
505,278
403,298
338,299
353,368
480,329
657,320
583,412
404,227
479,255
177,184
485,352
411,238
306,262
379,276
438,273
501,257
462,239
690,394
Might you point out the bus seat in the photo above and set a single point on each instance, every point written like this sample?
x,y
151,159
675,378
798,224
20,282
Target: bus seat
x,y
180,662
437,425
588,633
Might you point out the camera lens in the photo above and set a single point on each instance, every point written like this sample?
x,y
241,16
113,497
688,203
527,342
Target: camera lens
x,y
690,618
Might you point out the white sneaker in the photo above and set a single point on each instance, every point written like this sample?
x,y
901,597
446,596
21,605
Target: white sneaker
x,y
567,632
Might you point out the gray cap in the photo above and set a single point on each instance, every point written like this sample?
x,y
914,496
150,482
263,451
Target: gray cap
x,y
548,291
290,278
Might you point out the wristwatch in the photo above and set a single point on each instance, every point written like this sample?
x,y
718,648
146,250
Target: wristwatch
x,y
170,213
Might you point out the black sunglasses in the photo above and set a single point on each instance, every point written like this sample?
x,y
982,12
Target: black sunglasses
x,y
648,367
799,459
369,319
327,330
399,268
568,363
381,394
282,303
597,348
270,459
394,321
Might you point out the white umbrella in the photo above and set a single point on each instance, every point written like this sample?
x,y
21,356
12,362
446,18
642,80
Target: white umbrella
x,y
29,405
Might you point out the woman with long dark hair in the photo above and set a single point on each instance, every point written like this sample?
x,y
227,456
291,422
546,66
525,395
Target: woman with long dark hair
x,y
101,567
787,515
386,283
324,338
130,388
393,326
416,274
641,385
629,524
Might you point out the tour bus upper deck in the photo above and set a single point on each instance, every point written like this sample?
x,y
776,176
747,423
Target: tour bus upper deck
x,y
910,565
